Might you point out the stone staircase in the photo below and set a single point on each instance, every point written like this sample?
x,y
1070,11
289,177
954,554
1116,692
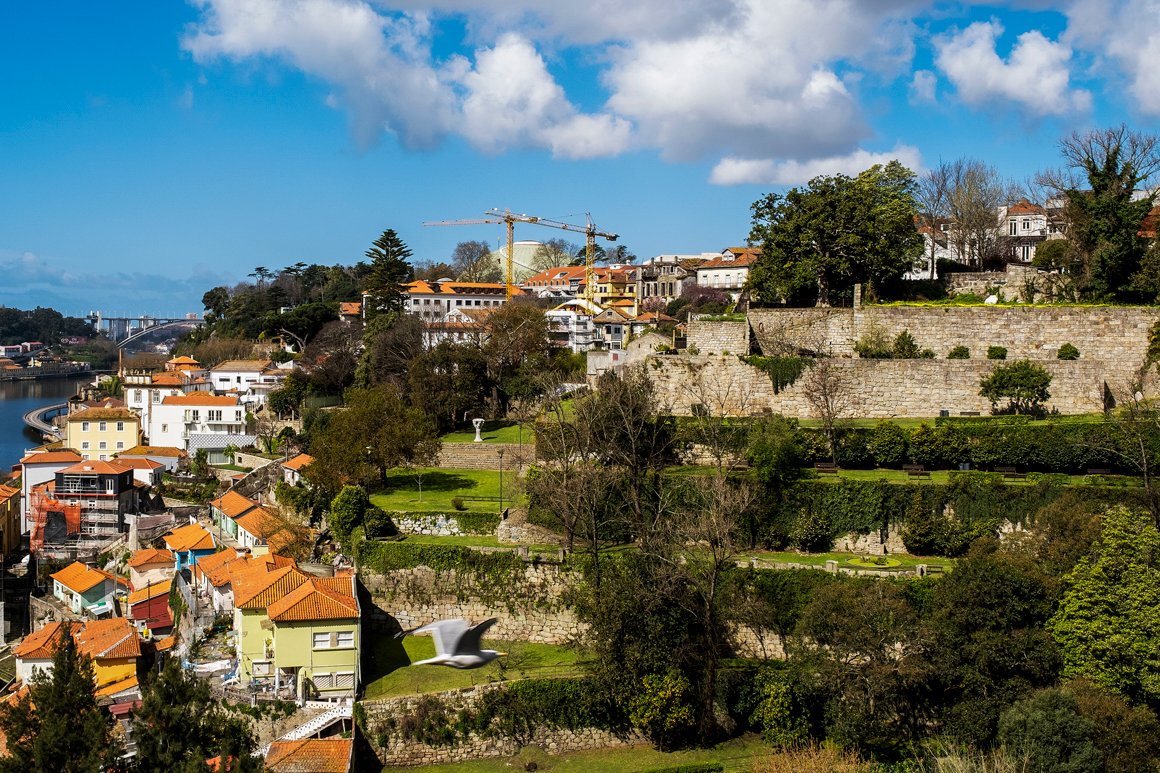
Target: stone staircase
x,y
315,725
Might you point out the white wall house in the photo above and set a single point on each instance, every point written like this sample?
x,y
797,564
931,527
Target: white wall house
x,y
432,301
182,420
730,271
251,380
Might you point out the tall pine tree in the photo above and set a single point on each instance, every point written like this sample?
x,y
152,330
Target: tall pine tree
x,y
57,727
389,270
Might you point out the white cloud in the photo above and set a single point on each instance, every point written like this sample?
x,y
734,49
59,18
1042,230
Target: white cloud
x,y
512,100
923,86
1035,76
1128,33
758,171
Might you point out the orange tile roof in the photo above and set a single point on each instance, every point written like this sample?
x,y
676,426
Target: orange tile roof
x,y
137,463
42,644
298,462
150,591
192,536
199,398
261,522
317,599
311,755
165,644
745,257
183,360
112,638
243,365
169,378
98,467
233,504
96,414
1024,207
350,308
259,591
153,451
219,567
423,287
80,578
117,687
52,457
148,556
7,492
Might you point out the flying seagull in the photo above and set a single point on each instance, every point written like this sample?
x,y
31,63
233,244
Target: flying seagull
x,y
457,643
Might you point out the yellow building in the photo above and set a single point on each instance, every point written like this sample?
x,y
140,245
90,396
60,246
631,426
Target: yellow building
x,y
101,433
112,644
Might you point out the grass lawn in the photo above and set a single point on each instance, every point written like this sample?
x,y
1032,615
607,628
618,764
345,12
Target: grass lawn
x,y
737,754
905,562
389,675
476,541
499,431
440,486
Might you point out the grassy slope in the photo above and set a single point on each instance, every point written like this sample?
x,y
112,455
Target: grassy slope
x,y
388,673
493,432
440,486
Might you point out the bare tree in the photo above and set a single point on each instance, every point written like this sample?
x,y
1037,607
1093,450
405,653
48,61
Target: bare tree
x,y
1135,437
553,253
933,200
976,193
829,393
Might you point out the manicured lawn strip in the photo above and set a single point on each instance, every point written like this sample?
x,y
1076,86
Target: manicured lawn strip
x,y
819,559
738,754
493,432
389,674
476,541
440,486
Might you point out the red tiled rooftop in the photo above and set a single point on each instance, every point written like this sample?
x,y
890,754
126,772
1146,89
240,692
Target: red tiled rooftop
x,y
311,755
317,599
148,556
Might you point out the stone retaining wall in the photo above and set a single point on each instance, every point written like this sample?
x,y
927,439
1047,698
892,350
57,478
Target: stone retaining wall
x,y
1112,334
531,610
718,337
394,750
877,388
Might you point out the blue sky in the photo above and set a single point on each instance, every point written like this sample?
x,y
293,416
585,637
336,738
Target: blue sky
x,y
152,150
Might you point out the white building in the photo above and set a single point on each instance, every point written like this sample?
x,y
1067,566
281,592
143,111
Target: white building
x,y
570,324
250,380
432,301
729,271
199,421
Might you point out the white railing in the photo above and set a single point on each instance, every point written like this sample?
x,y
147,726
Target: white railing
x,y
310,727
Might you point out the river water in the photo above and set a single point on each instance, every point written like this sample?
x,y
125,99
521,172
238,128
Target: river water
x,y
19,397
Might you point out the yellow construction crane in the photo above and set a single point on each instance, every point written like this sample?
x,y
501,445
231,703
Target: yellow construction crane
x,y
509,218
590,234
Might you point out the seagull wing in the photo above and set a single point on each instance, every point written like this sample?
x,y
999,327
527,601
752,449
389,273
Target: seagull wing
x,y
469,642
446,634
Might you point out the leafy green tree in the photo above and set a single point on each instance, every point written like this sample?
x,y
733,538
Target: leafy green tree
x,y
1051,255
1106,624
180,723
887,444
1023,384
1125,735
391,342
449,382
775,454
389,270
855,642
348,509
57,727
1047,731
1104,213
835,232
376,431
984,643
516,333
662,708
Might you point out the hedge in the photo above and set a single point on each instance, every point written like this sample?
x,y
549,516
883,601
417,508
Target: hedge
x,y
384,557
980,501
1032,446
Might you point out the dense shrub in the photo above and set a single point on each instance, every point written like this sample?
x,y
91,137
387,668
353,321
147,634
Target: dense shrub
x,y
947,266
959,353
887,444
1068,352
996,352
904,347
874,344
1023,384
852,451
938,447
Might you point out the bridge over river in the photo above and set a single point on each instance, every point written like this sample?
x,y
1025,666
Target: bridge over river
x,y
40,419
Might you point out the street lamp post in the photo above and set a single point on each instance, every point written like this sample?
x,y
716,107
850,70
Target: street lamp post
x,y
499,452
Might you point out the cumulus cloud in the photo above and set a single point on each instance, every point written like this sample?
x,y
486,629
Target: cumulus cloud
x,y
1126,32
1035,76
742,171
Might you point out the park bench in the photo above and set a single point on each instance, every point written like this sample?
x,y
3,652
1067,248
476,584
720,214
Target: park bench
x,y
826,468
916,471
479,499
1095,471
1010,473
968,413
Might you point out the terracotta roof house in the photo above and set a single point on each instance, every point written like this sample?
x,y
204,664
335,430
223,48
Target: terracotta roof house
x,y
84,588
263,530
189,543
169,457
292,468
112,644
151,565
226,509
316,755
149,608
